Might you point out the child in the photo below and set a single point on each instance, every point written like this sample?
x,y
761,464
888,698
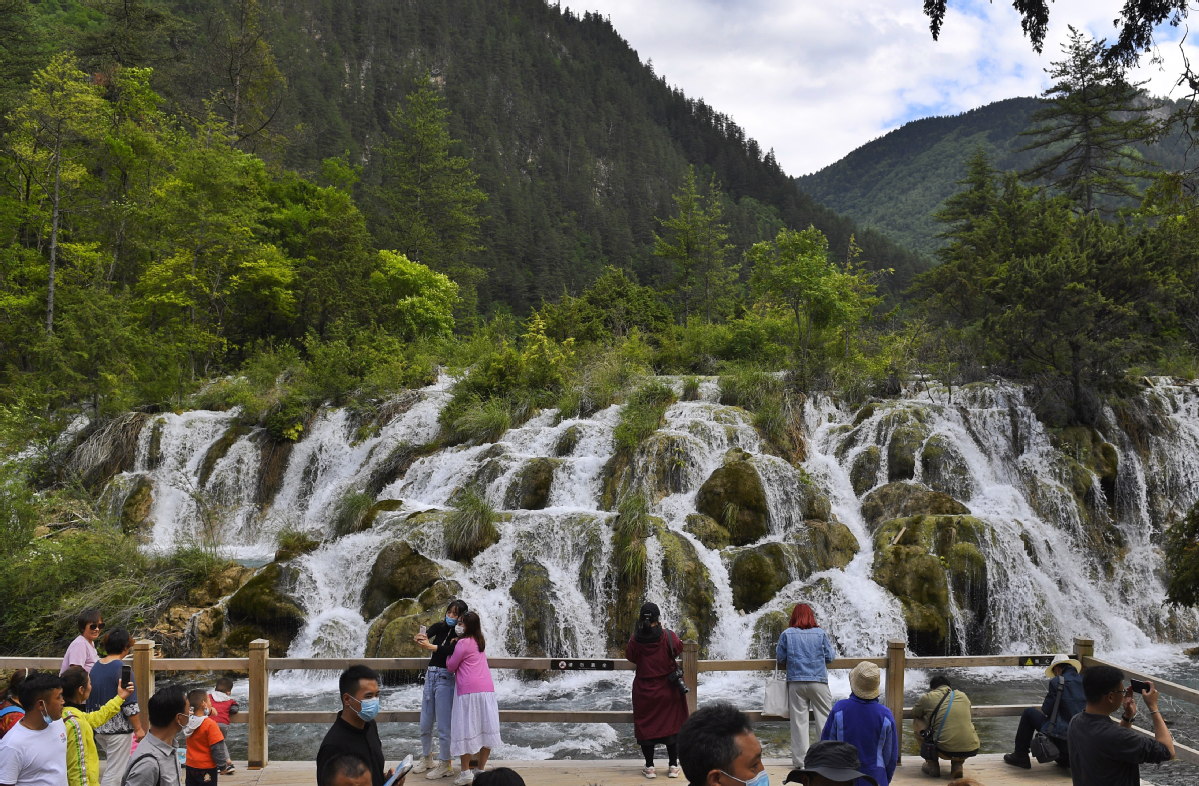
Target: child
x,y
206,751
224,706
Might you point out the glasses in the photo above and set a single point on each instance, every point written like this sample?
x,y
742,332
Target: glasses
x,y
95,626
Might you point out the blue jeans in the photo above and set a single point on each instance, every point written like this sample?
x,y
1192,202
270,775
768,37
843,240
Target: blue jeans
x,y
437,702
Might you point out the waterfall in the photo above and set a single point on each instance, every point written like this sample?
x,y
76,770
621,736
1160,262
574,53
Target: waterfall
x,y
1046,582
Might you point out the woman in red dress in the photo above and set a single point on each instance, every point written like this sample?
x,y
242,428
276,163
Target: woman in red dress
x,y
659,708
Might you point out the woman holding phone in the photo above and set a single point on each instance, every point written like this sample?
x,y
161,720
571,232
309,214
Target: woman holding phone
x,y
475,725
437,702
116,736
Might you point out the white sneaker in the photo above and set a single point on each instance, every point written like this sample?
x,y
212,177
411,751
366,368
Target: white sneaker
x,y
423,763
649,772
674,771
464,777
441,770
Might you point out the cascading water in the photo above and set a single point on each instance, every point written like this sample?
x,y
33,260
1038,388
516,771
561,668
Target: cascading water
x,y
1046,581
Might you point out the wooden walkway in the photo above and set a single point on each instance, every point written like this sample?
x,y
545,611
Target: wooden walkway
x,y
988,769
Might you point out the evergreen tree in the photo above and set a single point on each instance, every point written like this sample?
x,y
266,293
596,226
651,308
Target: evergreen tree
x,y
696,245
427,206
1087,129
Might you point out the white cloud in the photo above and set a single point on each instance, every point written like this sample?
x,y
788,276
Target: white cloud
x,y
814,79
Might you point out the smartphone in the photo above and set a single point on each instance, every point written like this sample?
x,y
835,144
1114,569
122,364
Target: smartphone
x,y
1138,686
126,675
422,630
401,770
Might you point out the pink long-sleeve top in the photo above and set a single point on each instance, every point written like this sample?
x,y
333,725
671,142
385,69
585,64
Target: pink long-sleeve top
x,y
470,666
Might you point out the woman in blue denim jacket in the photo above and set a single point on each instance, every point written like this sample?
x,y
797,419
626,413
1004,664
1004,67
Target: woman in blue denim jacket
x,y
805,651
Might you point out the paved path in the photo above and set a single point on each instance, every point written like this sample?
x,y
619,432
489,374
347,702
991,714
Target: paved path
x,y
988,769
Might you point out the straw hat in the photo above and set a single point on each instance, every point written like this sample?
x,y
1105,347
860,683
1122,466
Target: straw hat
x,y
864,680
1058,660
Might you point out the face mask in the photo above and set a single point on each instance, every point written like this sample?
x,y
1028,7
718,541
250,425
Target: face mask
x,y
46,714
451,621
460,629
761,779
368,709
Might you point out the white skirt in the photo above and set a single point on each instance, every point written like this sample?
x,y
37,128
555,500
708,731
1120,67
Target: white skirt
x,y
475,723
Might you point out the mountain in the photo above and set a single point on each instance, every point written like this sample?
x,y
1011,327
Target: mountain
x,y
577,142
894,184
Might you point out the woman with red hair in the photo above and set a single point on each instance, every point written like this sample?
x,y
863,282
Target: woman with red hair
x,y
805,651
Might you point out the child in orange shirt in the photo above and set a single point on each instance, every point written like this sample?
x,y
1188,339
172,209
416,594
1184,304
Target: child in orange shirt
x,y
206,751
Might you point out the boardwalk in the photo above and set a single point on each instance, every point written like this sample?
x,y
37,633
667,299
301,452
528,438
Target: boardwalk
x,y
988,769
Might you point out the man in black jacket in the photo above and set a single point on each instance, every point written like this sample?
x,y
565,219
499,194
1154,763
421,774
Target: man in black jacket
x,y
1068,683
355,731
1103,753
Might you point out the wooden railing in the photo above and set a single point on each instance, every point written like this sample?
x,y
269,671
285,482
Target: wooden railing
x,y
259,665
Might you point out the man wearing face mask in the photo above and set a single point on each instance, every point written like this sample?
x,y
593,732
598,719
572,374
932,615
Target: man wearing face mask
x,y
155,763
718,747
355,731
34,752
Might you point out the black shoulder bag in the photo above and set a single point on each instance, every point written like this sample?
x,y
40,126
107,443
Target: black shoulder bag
x,y
675,678
1044,749
928,740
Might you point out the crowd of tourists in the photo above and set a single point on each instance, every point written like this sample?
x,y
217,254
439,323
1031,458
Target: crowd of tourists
x,y
53,726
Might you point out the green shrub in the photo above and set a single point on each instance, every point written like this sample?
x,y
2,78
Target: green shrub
x,y
691,389
351,509
486,421
642,415
632,526
750,389
470,528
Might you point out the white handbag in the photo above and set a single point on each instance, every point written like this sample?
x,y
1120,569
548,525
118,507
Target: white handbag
x,y
775,703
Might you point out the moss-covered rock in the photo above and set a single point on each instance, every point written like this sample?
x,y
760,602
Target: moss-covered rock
x,y
734,496
399,572
897,500
390,635
864,472
766,634
219,583
908,433
530,490
264,608
830,544
944,469
707,531
816,503
534,610
921,560
380,508
219,449
688,580
662,462
758,573
294,544
567,441
135,511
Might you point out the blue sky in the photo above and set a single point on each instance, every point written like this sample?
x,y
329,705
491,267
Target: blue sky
x,y
815,79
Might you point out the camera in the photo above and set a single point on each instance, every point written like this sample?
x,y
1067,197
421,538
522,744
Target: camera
x,y
675,678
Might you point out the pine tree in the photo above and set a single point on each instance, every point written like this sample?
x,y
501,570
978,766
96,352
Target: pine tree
x,y
1088,128
696,245
428,202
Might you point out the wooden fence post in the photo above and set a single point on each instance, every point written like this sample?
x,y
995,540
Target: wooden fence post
x,y
257,756
895,675
691,673
1084,648
143,670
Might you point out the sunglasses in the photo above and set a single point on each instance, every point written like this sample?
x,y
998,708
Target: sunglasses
x,y
95,626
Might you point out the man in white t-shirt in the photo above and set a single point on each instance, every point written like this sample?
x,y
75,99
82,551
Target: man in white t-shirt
x,y
34,752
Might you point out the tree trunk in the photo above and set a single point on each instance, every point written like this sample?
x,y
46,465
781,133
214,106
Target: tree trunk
x,y
54,218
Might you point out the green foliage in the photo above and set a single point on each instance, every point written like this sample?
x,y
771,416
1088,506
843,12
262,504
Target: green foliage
x,y
611,308
642,415
484,421
1181,549
471,525
415,300
696,247
1086,130
632,526
351,510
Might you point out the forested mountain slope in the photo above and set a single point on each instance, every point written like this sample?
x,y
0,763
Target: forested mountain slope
x,y
578,145
897,182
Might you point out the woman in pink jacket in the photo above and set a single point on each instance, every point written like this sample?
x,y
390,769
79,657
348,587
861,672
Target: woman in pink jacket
x,y
475,722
